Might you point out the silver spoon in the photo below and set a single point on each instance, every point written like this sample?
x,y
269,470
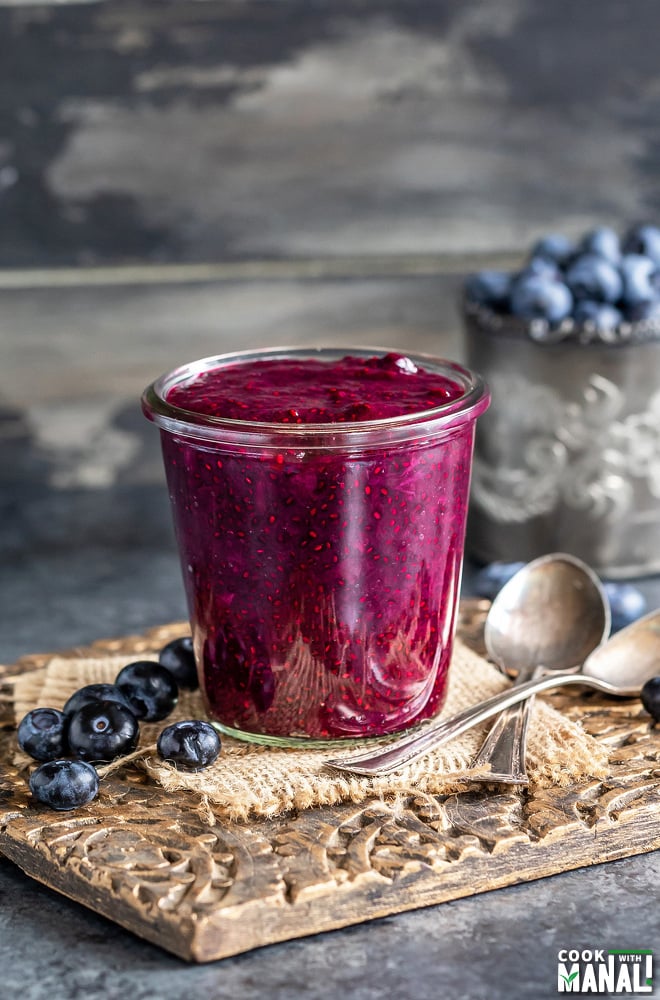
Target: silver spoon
x,y
621,666
548,617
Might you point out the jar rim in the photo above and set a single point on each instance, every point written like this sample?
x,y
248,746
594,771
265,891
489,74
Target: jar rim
x,y
445,417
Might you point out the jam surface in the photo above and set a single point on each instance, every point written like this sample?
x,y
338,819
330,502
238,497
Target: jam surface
x,y
322,585
286,391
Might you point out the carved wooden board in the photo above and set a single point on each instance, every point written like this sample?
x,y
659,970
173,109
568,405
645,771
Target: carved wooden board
x,y
166,869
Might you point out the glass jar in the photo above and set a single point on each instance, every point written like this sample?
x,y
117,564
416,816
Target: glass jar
x,y
322,562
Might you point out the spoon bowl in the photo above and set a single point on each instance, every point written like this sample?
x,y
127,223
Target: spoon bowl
x,y
629,659
549,616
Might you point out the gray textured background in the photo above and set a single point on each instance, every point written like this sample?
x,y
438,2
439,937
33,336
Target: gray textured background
x,y
182,178
176,131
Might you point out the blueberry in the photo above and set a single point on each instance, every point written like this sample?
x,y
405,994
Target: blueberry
x,y
541,267
191,745
149,688
488,581
94,692
41,734
179,658
592,277
102,731
643,240
651,698
637,273
64,784
604,317
627,604
554,247
604,242
648,311
489,288
539,297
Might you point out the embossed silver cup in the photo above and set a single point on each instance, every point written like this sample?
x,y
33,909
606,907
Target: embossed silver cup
x,y
568,456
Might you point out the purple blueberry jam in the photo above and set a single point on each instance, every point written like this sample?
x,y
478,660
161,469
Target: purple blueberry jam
x,y
283,391
322,556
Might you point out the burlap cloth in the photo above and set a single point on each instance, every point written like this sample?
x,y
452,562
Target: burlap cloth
x,y
249,780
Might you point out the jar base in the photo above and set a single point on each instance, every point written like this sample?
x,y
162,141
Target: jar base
x,y
308,742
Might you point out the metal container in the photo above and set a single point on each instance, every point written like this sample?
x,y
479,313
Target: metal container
x,y
568,456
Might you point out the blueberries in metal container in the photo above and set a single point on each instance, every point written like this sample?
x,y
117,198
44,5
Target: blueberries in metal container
x,y
540,297
489,288
592,277
603,284
554,247
540,267
489,580
627,604
604,242
645,312
643,239
637,273
603,316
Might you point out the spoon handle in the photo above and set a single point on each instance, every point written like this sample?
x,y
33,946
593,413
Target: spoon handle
x,y
503,750
502,755
408,748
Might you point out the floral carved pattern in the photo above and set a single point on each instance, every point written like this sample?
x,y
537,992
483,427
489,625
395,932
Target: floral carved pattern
x,y
586,454
165,867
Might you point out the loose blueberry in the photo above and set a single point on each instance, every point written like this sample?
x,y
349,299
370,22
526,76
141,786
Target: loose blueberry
x,y
102,731
91,693
191,745
593,277
489,580
604,242
489,288
643,240
554,247
637,273
179,658
603,316
41,734
149,689
651,698
539,297
627,604
64,784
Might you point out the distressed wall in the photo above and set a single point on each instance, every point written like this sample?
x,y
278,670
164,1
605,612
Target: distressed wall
x,y
180,131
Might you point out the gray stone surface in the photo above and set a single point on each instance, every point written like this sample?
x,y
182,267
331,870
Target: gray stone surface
x,y
499,946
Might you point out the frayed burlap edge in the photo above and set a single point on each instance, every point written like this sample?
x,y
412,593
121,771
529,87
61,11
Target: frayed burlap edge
x,y
249,780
